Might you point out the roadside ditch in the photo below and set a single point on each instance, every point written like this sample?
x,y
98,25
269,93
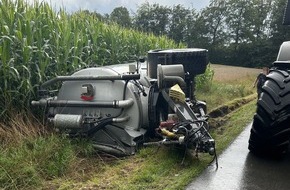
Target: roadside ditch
x,y
220,115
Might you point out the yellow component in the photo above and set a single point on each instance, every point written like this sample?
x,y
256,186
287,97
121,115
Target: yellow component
x,y
168,133
176,93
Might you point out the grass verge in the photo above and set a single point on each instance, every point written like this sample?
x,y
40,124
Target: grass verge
x,y
234,124
219,93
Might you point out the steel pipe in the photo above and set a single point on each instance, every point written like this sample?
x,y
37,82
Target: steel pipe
x,y
121,119
74,103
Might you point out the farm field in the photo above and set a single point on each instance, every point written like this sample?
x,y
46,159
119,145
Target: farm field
x,y
225,73
228,83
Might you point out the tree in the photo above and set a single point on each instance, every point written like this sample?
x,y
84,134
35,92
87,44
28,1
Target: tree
x,y
279,32
259,16
211,25
237,21
121,16
214,21
180,19
197,32
152,18
258,45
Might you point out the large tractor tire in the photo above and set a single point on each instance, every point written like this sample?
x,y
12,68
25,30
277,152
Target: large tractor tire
x,y
271,126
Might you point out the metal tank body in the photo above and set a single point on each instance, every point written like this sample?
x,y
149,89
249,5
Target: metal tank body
x,y
130,118
104,91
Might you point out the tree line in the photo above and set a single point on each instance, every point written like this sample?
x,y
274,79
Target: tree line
x,y
236,32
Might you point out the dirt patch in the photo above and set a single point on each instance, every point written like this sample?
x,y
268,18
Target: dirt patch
x,y
218,116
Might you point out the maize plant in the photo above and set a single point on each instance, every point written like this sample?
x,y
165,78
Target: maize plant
x,y
38,43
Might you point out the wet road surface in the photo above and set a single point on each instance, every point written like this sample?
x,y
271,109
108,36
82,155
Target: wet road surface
x,y
240,170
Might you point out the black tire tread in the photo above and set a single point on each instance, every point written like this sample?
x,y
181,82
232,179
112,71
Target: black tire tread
x,y
270,131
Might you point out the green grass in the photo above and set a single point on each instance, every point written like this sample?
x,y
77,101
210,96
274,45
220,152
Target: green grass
x,y
29,163
235,123
225,91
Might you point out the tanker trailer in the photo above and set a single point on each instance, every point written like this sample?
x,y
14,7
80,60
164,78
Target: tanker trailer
x,y
120,106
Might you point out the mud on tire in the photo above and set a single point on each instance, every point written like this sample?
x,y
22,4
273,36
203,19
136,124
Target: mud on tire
x,y
270,131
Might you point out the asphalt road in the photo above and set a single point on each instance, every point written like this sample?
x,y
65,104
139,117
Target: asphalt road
x,y
241,170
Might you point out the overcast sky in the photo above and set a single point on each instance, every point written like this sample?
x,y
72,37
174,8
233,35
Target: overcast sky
x,y
106,6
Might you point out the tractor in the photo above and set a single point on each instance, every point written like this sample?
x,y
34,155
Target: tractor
x,y
270,132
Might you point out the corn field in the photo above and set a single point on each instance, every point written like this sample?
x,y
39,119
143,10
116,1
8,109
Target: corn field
x,y
38,43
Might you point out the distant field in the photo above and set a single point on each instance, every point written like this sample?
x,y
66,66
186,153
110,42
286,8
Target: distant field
x,y
229,83
224,73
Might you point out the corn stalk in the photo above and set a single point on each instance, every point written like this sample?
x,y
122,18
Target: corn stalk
x,y
37,43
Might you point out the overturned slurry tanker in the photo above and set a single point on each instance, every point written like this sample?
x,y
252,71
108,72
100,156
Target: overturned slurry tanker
x,y
120,107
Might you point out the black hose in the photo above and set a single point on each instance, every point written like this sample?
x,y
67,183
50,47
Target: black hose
x,y
103,122
99,126
215,159
140,87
